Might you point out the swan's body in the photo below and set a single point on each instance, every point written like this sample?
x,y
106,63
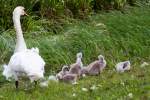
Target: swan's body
x,y
24,61
123,66
76,67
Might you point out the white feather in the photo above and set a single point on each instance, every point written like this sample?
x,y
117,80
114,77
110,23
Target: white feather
x,y
36,50
7,72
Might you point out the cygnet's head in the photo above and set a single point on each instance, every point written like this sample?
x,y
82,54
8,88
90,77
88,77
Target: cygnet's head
x,y
65,68
126,65
19,10
101,58
79,55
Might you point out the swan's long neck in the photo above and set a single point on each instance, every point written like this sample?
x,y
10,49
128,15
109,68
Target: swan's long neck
x,y
20,42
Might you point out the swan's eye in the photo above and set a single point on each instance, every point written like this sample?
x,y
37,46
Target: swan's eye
x,y
23,12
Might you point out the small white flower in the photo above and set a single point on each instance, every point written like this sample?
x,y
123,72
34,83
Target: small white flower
x,y
99,85
100,24
84,89
122,83
144,64
130,95
83,75
73,94
75,83
93,87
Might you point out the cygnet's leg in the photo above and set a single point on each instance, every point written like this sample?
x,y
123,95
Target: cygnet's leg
x,y
16,84
35,82
74,82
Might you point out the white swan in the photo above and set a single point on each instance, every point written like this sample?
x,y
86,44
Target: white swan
x,y
23,61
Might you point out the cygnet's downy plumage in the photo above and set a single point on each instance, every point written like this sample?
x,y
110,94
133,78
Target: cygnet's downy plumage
x,y
95,67
76,67
123,66
64,71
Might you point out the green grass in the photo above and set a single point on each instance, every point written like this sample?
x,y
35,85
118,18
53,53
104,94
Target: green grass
x,y
120,37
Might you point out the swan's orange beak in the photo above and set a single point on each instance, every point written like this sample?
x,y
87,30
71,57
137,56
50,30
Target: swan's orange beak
x,y
25,13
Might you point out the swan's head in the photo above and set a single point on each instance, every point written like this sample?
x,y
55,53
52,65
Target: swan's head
x,y
19,11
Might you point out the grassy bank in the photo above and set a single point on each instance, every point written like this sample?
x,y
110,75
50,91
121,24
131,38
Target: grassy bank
x,y
118,36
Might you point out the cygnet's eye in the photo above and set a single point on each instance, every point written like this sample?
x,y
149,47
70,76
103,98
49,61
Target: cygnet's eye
x,y
125,65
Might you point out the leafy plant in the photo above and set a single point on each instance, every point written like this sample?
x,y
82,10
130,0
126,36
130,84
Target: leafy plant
x,y
51,8
119,4
79,8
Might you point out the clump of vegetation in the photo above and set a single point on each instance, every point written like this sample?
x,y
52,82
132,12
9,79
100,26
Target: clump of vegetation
x,y
115,35
58,9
